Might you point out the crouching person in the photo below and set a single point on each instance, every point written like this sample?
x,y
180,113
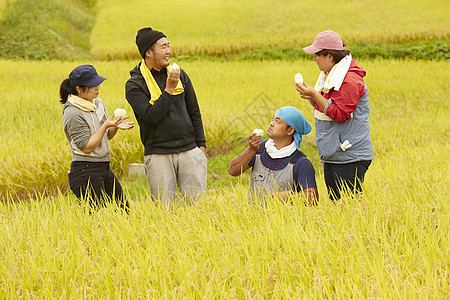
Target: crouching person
x,y
279,168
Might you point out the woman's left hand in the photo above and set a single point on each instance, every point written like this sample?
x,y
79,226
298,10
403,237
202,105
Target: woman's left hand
x,y
125,124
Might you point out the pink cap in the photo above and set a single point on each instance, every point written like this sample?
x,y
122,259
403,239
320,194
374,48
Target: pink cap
x,y
328,39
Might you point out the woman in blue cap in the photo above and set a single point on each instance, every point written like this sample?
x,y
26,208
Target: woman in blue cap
x,y
88,129
279,167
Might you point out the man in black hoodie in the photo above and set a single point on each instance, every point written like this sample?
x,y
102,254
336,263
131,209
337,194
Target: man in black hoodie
x,y
165,105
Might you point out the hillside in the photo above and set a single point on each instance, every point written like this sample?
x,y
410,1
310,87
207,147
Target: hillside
x,y
85,29
46,29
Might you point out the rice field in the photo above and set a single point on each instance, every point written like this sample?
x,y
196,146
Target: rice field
x,y
227,27
392,244
234,98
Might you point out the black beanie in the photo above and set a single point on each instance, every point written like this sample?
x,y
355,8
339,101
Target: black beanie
x,y
146,37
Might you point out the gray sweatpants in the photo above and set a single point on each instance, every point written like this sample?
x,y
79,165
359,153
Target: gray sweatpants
x,y
187,170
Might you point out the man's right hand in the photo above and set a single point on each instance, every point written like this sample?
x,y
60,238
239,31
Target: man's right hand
x,y
172,80
254,142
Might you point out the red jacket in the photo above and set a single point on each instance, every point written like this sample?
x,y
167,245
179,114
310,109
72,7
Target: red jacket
x,y
345,100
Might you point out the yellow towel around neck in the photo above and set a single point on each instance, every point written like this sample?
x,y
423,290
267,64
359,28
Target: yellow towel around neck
x,y
83,104
155,91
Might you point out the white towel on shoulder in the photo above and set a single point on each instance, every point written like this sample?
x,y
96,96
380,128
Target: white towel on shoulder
x,y
334,79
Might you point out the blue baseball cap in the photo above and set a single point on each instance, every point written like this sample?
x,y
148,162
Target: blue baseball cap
x,y
85,75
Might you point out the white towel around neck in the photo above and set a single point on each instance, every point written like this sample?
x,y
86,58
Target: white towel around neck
x,y
283,152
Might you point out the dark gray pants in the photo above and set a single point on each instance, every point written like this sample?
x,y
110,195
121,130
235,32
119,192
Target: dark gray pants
x,y
340,177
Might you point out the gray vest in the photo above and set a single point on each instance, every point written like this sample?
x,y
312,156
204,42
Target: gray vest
x,y
330,135
265,181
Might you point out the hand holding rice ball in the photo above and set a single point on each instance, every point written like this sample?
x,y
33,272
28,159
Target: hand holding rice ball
x,y
120,112
258,132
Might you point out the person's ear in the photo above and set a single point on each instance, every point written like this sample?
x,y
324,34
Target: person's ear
x,y
290,130
149,53
330,57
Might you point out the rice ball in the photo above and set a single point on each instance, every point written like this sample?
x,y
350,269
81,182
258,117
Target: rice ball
x,y
173,67
298,78
120,112
258,132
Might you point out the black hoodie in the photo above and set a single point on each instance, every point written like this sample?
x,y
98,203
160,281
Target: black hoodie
x,y
173,124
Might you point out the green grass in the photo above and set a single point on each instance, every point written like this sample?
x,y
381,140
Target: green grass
x,y
4,5
46,29
427,50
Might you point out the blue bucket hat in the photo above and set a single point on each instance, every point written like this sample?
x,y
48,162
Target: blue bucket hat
x,y
85,75
294,118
